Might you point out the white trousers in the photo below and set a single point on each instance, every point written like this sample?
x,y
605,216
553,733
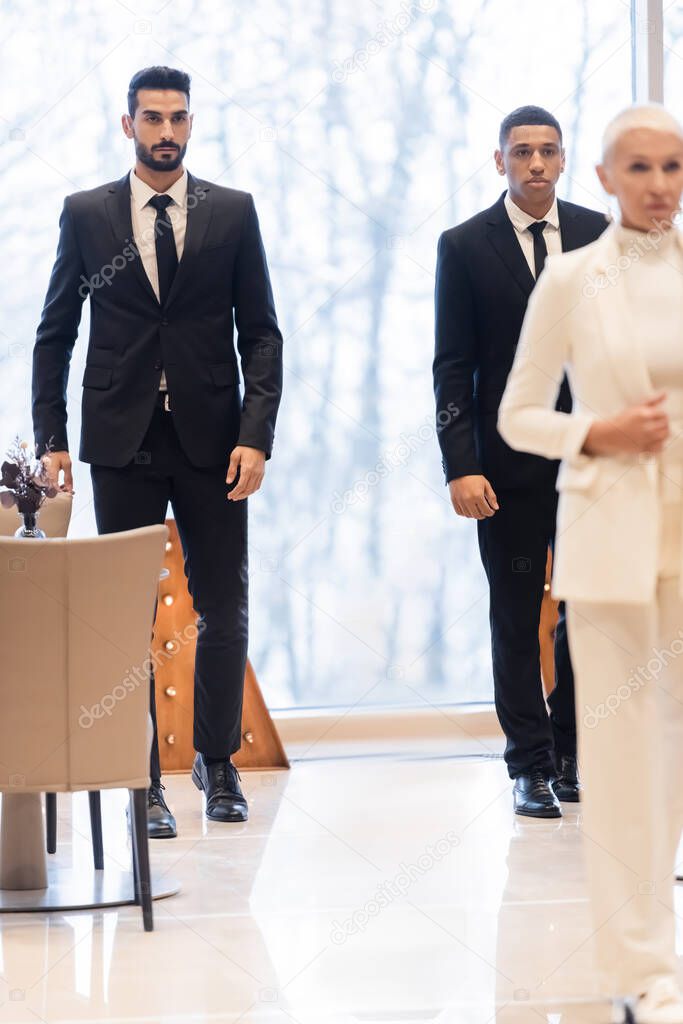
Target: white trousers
x,y
628,667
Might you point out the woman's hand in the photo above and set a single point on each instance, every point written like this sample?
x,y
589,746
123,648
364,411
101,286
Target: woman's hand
x,y
640,428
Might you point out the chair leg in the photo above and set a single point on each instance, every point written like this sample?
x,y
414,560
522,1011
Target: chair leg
x,y
96,829
141,851
51,822
136,875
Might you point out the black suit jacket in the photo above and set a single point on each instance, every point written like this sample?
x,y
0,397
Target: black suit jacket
x,y
483,283
223,268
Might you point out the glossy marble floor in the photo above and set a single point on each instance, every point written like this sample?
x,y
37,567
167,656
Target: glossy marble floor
x,y
361,891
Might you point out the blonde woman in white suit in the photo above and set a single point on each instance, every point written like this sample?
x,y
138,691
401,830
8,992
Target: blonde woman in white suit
x,y
612,315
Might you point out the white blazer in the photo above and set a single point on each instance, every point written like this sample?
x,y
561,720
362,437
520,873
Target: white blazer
x,y
608,519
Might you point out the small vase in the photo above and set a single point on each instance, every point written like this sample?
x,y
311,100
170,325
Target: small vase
x,y
29,528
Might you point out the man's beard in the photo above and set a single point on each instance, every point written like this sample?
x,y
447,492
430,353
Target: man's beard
x,y
147,157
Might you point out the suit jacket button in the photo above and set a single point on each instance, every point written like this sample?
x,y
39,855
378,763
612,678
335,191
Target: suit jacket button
x,y
164,323
158,365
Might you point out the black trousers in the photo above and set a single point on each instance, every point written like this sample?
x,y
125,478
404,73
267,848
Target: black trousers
x,y
213,534
514,545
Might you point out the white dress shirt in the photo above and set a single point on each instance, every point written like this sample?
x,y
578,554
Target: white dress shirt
x,y
143,217
521,221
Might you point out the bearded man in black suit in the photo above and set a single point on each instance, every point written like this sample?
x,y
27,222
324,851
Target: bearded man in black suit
x,y
171,264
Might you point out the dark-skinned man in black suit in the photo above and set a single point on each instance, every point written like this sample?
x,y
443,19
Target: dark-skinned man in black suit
x,y
486,270
167,261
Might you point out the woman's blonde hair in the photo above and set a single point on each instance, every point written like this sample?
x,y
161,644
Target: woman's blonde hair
x,y
646,115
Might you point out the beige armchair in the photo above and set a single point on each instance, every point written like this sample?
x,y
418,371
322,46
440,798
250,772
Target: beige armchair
x,y
54,518
75,620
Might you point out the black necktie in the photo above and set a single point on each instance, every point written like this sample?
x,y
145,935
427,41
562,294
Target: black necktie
x,y
167,257
540,249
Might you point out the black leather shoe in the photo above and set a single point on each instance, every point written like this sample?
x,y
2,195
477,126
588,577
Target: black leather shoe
x,y
565,782
628,1015
160,822
220,782
533,796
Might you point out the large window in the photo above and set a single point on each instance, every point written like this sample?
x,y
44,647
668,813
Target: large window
x,y
363,131
673,55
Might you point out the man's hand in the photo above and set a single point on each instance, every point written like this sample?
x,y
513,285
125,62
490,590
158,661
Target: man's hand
x,y
473,497
251,463
55,463
640,428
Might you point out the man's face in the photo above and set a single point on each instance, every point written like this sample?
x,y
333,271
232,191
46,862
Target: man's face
x,y
532,160
644,170
161,128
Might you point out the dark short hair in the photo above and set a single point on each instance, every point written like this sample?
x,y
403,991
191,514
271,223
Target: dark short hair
x,y
526,115
158,77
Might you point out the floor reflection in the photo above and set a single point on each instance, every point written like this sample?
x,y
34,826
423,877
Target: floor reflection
x,y
329,906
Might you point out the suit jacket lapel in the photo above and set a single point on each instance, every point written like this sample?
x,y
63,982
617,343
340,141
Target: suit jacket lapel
x,y
622,344
503,237
570,228
117,205
199,210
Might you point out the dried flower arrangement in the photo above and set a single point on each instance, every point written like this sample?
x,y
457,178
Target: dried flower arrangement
x,y
25,478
